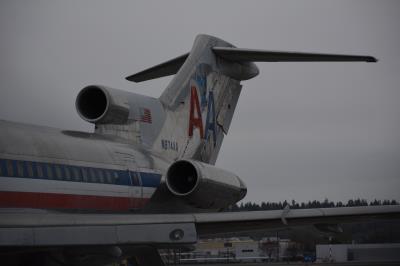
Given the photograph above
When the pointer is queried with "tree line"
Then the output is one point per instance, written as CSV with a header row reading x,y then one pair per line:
x,y
265,206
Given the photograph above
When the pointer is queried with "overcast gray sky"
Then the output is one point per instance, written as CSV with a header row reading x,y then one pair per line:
x,y
302,131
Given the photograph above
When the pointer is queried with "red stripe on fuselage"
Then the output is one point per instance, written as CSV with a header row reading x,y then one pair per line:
x,y
10,199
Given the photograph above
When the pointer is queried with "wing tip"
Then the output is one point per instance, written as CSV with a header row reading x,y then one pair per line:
x,y
371,59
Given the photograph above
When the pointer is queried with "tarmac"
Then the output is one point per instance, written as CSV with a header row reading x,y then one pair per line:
x,y
302,264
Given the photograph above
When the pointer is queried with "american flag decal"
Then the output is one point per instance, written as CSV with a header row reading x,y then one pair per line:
x,y
145,115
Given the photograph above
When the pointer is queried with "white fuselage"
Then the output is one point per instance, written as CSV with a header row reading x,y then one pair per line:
x,y
50,169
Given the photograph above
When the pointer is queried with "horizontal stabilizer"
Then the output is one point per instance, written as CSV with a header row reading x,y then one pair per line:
x,y
162,70
172,66
253,55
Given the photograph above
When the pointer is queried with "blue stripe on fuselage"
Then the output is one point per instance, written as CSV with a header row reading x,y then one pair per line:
x,y
74,173
150,179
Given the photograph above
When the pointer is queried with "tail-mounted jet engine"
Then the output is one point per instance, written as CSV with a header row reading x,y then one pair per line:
x,y
204,185
102,105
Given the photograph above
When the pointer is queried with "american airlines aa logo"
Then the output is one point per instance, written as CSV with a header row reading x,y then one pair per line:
x,y
197,106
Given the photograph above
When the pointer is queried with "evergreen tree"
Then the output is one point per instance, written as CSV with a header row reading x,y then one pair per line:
x,y
268,206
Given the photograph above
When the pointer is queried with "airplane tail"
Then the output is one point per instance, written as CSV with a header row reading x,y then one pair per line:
x,y
201,98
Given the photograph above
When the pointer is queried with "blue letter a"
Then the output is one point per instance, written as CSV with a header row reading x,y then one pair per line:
x,y
210,121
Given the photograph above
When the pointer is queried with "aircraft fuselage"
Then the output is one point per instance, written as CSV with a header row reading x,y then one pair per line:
x,y
52,169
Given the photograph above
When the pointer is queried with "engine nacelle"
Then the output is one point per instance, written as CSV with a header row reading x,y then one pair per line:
x,y
204,185
102,105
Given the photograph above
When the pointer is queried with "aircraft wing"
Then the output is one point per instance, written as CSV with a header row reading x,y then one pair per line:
x,y
43,228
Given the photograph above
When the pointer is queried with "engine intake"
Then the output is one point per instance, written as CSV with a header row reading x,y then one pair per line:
x,y
102,105
204,185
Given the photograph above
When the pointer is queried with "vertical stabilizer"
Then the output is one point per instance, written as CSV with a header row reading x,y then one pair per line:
x,y
200,101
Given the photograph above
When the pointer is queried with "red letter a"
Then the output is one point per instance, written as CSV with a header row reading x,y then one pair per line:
x,y
195,122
